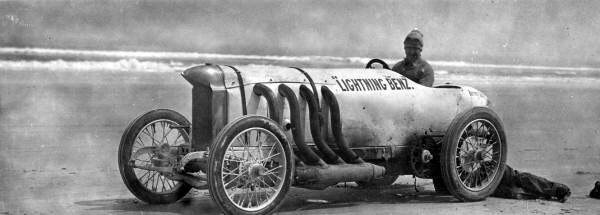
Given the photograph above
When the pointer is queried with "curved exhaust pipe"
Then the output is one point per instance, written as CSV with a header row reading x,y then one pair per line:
x,y
315,127
298,133
272,101
336,126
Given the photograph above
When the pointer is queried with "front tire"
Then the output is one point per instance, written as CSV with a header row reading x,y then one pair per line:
x,y
152,129
473,154
251,166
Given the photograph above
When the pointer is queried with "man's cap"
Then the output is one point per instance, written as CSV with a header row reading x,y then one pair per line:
x,y
414,39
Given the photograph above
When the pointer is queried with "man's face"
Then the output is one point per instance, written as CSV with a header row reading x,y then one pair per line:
x,y
412,53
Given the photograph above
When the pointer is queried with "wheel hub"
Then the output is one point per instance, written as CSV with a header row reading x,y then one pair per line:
x,y
256,170
472,158
479,155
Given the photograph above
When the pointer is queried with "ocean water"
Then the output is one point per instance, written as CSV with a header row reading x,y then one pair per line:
x,y
57,60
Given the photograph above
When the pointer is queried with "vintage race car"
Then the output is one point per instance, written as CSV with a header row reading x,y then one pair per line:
x,y
258,130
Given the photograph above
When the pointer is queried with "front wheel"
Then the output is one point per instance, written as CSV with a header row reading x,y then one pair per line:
x,y
473,154
250,168
141,156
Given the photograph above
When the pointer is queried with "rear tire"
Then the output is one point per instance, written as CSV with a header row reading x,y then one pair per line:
x,y
438,184
473,154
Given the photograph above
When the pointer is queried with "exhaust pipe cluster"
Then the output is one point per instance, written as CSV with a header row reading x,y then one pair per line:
x,y
327,167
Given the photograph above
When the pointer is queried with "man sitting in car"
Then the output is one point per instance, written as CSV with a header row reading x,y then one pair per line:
x,y
413,66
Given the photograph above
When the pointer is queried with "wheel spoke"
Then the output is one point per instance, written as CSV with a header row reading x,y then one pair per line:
x,y
492,143
233,174
268,188
270,156
247,190
232,180
153,126
163,132
177,139
270,152
165,135
140,142
148,178
480,130
143,175
271,170
468,176
496,162
245,144
157,182
162,181
231,171
147,133
259,145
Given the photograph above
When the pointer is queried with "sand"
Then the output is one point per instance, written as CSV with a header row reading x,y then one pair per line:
x,y
60,133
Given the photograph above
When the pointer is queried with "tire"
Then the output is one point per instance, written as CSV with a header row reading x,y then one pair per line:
x,y
145,184
436,176
473,154
438,184
250,157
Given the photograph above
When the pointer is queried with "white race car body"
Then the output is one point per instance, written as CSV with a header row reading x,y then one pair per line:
x,y
378,107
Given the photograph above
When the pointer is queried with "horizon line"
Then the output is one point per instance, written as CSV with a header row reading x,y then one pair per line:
x,y
303,58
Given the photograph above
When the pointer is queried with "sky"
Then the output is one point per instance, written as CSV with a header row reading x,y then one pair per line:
x,y
552,33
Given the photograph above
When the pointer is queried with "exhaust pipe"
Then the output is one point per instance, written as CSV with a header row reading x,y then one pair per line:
x,y
298,133
315,127
336,126
312,177
272,101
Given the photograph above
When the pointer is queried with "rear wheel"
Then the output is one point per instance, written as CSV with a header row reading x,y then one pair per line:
x,y
473,154
142,140
250,169
438,183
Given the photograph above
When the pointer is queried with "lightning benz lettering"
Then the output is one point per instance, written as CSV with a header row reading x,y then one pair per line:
x,y
372,84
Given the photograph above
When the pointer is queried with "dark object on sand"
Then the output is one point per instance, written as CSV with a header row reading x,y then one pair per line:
x,y
595,193
523,185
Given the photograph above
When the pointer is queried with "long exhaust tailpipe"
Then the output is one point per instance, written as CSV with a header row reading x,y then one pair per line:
x,y
312,177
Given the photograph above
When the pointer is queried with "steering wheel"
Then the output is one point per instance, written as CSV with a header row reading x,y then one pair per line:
x,y
375,60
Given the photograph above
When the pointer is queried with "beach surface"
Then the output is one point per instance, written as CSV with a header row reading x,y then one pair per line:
x,y
61,129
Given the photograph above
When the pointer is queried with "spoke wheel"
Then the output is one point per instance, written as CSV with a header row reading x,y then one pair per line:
x,y
473,155
250,166
153,134
478,155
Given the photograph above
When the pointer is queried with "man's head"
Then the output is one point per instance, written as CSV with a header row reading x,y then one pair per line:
x,y
413,45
